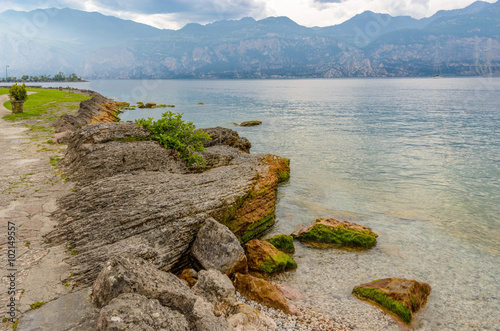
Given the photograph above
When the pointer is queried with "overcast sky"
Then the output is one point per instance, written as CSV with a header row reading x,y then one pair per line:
x,y
174,14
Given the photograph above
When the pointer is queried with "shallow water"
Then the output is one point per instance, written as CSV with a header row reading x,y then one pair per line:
x,y
418,160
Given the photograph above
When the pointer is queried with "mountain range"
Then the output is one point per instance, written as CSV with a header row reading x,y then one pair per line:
x,y
459,42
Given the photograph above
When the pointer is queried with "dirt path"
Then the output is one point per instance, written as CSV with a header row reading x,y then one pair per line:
x,y
29,187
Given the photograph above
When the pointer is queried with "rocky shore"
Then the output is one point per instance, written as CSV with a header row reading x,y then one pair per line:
x,y
149,243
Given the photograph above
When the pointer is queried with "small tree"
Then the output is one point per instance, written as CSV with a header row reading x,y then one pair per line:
x,y
18,92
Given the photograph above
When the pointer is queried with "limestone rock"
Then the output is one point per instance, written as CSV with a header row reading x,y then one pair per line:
x,y
217,288
62,137
223,136
190,276
216,247
400,297
289,292
264,258
259,290
282,242
204,319
243,317
132,311
250,123
343,234
128,274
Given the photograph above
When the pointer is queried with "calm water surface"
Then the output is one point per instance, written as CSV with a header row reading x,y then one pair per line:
x,y
418,160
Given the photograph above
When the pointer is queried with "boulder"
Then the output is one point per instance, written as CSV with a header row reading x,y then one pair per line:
x,y
203,318
264,258
289,292
128,274
62,137
215,287
216,247
400,297
190,276
250,123
228,137
259,290
282,242
150,105
243,317
337,233
132,311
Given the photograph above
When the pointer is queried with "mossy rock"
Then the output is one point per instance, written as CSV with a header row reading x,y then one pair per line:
x,y
400,297
341,234
282,242
250,123
265,259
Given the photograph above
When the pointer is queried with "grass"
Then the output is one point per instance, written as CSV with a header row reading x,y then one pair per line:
x,y
37,304
39,103
379,297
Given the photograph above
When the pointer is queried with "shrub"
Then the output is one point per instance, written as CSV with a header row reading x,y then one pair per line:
x,y
18,92
172,132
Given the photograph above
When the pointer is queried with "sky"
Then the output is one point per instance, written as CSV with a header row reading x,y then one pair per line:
x,y
174,14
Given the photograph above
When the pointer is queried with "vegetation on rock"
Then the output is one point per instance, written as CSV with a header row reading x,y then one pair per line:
x,y
385,302
171,131
264,258
250,123
282,242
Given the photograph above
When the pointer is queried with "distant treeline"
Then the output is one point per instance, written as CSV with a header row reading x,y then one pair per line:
x,y
60,77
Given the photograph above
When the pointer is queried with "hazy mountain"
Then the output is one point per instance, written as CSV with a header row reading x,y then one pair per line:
x,y
458,42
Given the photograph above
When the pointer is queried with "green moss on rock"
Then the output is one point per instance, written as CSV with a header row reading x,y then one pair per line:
x,y
264,258
379,297
283,242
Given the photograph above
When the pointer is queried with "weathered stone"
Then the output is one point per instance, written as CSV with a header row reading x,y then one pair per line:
x,y
264,258
256,213
282,242
216,247
216,288
128,274
204,319
259,290
223,136
400,297
62,137
150,105
132,311
243,317
190,276
343,234
250,123
289,292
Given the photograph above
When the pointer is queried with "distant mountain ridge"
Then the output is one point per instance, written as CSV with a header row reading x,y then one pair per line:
x,y
458,42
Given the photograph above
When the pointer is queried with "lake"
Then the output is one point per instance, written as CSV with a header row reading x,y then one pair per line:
x,y
417,160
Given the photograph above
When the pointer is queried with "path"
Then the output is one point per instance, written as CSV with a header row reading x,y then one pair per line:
x,y
29,187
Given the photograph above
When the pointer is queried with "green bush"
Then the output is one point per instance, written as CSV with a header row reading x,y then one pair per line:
x,y
172,132
18,92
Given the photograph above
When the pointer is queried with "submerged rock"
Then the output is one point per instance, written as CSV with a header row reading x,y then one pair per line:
x,y
400,297
282,242
264,258
250,123
343,234
259,290
216,247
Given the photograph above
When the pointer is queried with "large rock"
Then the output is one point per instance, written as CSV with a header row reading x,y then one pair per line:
x,y
133,311
223,136
400,297
216,247
333,232
282,242
243,317
215,287
259,290
264,258
128,274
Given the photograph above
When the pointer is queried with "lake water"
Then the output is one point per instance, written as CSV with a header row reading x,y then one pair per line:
x,y
417,160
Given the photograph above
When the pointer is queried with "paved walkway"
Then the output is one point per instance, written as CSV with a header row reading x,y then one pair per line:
x,y
29,187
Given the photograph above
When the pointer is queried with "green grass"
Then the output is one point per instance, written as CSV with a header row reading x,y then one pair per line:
x,y
38,104
379,297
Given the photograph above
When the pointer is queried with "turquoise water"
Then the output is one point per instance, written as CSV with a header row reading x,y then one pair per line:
x,y
418,160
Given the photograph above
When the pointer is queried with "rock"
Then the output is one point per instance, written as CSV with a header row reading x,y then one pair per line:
x,y
132,311
289,292
62,137
343,234
190,276
150,105
259,290
400,297
73,311
217,288
243,317
256,213
216,247
282,242
205,320
128,274
223,136
250,123
264,258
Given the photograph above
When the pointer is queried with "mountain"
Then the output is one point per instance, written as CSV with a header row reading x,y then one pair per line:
x,y
460,42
